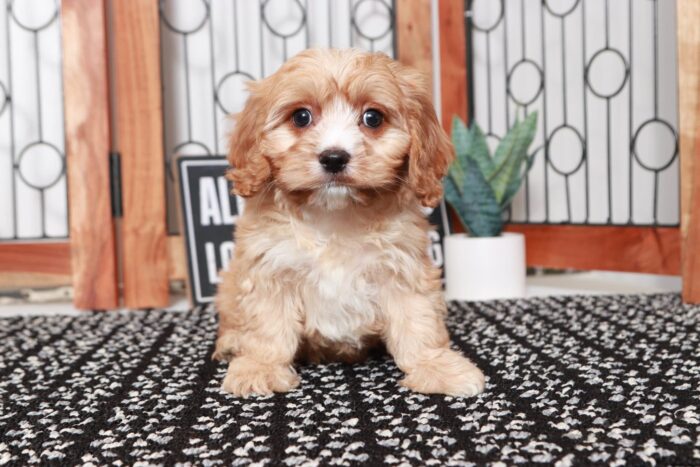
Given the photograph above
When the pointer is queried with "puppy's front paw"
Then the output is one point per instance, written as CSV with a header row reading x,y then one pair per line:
x,y
246,376
448,373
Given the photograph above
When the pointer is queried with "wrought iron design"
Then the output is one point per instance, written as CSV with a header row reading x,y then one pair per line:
x,y
212,47
608,144
33,178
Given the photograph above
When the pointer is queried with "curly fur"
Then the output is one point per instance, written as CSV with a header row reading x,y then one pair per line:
x,y
328,266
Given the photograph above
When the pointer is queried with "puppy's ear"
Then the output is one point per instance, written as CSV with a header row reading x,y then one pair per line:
x,y
249,171
430,152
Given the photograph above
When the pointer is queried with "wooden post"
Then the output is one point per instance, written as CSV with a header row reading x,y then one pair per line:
x,y
689,110
140,142
453,61
414,35
86,92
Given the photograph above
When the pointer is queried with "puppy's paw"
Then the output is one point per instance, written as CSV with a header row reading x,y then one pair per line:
x,y
448,373
226,348
246,377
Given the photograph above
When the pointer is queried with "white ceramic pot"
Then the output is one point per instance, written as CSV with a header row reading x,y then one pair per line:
x,y
484,268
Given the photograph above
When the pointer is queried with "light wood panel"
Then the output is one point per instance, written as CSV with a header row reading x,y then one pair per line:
x,y
689,111
453,61
651,250
414,35
87,146
140,143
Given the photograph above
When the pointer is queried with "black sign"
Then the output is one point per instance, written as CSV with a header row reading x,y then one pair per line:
x,y
209,215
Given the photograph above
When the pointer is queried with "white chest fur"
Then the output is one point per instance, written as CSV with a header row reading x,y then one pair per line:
x,y
339,295
336,275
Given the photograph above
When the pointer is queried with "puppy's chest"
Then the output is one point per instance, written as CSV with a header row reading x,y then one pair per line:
x,y
341,290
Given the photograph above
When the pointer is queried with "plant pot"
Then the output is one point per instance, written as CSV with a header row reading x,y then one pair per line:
x,y
484,268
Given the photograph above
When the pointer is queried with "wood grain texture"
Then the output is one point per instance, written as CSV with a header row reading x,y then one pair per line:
x,y
635,249
689,111
414,36
87,145
453,61
36,258
140,141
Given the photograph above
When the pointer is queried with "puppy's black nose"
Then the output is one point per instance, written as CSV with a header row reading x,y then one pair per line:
x,y
334,160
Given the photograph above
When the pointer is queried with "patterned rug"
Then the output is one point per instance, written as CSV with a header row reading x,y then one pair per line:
x,y
571,381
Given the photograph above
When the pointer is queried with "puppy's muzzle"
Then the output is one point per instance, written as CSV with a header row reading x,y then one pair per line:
x,y
334,160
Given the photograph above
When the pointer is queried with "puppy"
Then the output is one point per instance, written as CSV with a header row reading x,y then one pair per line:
x,y
335,153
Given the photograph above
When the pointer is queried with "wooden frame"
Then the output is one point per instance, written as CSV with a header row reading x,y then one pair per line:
x,y
453,62
688,12
633,249
87,258
642,249
140,141
414,35
41,264
87,122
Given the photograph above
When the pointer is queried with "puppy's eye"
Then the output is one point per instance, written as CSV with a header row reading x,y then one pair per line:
x,y
302,118
372,118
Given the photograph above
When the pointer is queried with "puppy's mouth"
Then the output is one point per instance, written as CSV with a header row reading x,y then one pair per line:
x,y
337,179
332,195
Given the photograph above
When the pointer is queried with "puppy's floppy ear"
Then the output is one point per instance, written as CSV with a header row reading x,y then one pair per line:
x,y
250,170
430,152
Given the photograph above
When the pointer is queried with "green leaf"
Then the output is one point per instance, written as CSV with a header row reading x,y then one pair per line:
x,y
452,193
460,137
478,207
515,182
479,151
457,175
511,153
469,143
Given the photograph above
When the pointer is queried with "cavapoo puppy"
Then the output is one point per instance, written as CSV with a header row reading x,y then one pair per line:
x,y
335,153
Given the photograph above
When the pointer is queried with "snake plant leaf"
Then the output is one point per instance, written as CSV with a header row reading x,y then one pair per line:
x,y
460,141
457,176
515,182
480,151
451,191
478,209
510,154
469,142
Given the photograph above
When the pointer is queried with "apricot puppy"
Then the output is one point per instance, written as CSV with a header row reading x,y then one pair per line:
x,y
335,153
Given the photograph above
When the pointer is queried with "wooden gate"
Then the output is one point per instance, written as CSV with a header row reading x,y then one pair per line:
x,y
652,249
87,258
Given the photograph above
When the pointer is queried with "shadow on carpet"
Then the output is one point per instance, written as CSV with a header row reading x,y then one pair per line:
x,y
572,381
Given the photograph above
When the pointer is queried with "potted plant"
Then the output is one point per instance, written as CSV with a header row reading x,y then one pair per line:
x,y
486,263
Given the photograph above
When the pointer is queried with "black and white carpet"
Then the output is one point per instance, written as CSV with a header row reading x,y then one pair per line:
x,y
571,381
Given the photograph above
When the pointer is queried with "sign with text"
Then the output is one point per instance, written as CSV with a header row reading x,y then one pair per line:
x,y
209,214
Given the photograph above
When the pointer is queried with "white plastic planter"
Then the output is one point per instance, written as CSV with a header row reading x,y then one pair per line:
x,y
484,268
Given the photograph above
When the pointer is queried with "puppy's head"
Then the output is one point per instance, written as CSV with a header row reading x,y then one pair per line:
x,y
340,125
